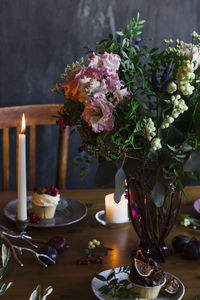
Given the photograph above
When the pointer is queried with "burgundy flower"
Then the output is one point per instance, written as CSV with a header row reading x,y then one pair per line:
x,y
81,148
63,121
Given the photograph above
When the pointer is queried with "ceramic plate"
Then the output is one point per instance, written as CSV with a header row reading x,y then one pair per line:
x,y
96,284
197,205
100,217
74,212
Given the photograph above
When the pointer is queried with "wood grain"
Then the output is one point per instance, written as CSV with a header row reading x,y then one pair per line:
x,y
71,281
5,159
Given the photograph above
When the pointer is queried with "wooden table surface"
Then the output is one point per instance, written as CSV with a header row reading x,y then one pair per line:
x,y
71,281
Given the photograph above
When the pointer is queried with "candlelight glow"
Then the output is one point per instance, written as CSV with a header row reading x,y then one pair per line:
x,y
23,127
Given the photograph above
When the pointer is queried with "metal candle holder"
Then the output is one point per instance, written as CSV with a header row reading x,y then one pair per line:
x,y
21,225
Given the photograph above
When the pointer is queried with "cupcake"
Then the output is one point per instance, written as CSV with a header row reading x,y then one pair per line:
x,y
146,280
44,202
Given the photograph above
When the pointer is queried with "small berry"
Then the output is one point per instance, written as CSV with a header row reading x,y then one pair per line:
x,y
78,262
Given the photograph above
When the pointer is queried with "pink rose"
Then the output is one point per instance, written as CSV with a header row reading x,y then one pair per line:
x,y
121,94
193,53
107,63
98,114
73,82
114,86
113,82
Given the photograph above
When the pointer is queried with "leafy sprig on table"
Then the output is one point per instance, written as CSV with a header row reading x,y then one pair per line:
x,y
115,287
38,295
192,224
5,256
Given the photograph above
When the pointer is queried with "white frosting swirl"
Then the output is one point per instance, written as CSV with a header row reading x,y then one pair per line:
x,y
45,199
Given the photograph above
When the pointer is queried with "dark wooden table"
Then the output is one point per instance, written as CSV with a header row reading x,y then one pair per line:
x,y
71,281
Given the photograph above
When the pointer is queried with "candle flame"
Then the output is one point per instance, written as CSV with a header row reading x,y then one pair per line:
x,y
23,128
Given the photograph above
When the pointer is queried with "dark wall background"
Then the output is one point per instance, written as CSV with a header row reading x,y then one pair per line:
x,y
39,37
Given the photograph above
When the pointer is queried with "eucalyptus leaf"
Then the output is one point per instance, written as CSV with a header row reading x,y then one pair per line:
x,y
185,147
62,204
4,288
35,295
105,173
158,194
47,292
4,255
120,178
193,162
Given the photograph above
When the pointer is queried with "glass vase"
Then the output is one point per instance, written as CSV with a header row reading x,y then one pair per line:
x,y
151,223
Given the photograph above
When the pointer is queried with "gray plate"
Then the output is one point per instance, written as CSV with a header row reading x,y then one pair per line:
x,y
96,284
74,212
100,217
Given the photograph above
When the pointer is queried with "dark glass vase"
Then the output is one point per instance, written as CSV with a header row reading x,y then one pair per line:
x,y
151,223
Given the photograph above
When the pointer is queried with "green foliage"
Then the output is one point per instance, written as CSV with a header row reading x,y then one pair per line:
x,y
37,294
114,287
5,256
146,72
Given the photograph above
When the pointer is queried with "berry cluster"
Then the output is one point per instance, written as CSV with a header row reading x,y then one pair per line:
x,y
92,252
87,261
52,190
33,218
92,244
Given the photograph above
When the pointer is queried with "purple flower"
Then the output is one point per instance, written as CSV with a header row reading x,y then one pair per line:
x,y
98,114
164,86
140,41
154,81
165,74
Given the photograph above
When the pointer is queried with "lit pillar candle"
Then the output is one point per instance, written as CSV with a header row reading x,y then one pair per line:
x,y
21,183
116,212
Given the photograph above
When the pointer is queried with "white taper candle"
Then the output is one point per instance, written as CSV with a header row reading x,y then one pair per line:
x,y
21,184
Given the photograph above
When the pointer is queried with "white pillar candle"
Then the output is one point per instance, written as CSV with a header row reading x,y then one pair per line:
x,y
116,212
21,183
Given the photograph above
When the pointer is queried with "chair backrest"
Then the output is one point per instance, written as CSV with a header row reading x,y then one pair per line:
x,y
35,115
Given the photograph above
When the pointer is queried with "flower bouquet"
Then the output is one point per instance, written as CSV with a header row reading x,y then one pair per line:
x,y
137,110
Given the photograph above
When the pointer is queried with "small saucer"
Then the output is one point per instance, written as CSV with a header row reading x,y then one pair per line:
x,y
196,205
100,217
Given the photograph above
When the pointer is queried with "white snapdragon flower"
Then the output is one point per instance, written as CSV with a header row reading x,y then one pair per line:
x,y
172,87
175,99
179,107
156,144
186,88
175,113
184,76
170,119
150,129
195,34
166,122
188,66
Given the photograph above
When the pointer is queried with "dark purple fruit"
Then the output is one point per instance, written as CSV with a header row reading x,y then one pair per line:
x,y
179,242
58,242
192,249
49,251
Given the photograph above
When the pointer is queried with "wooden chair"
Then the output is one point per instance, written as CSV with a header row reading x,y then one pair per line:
x,y
35,115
